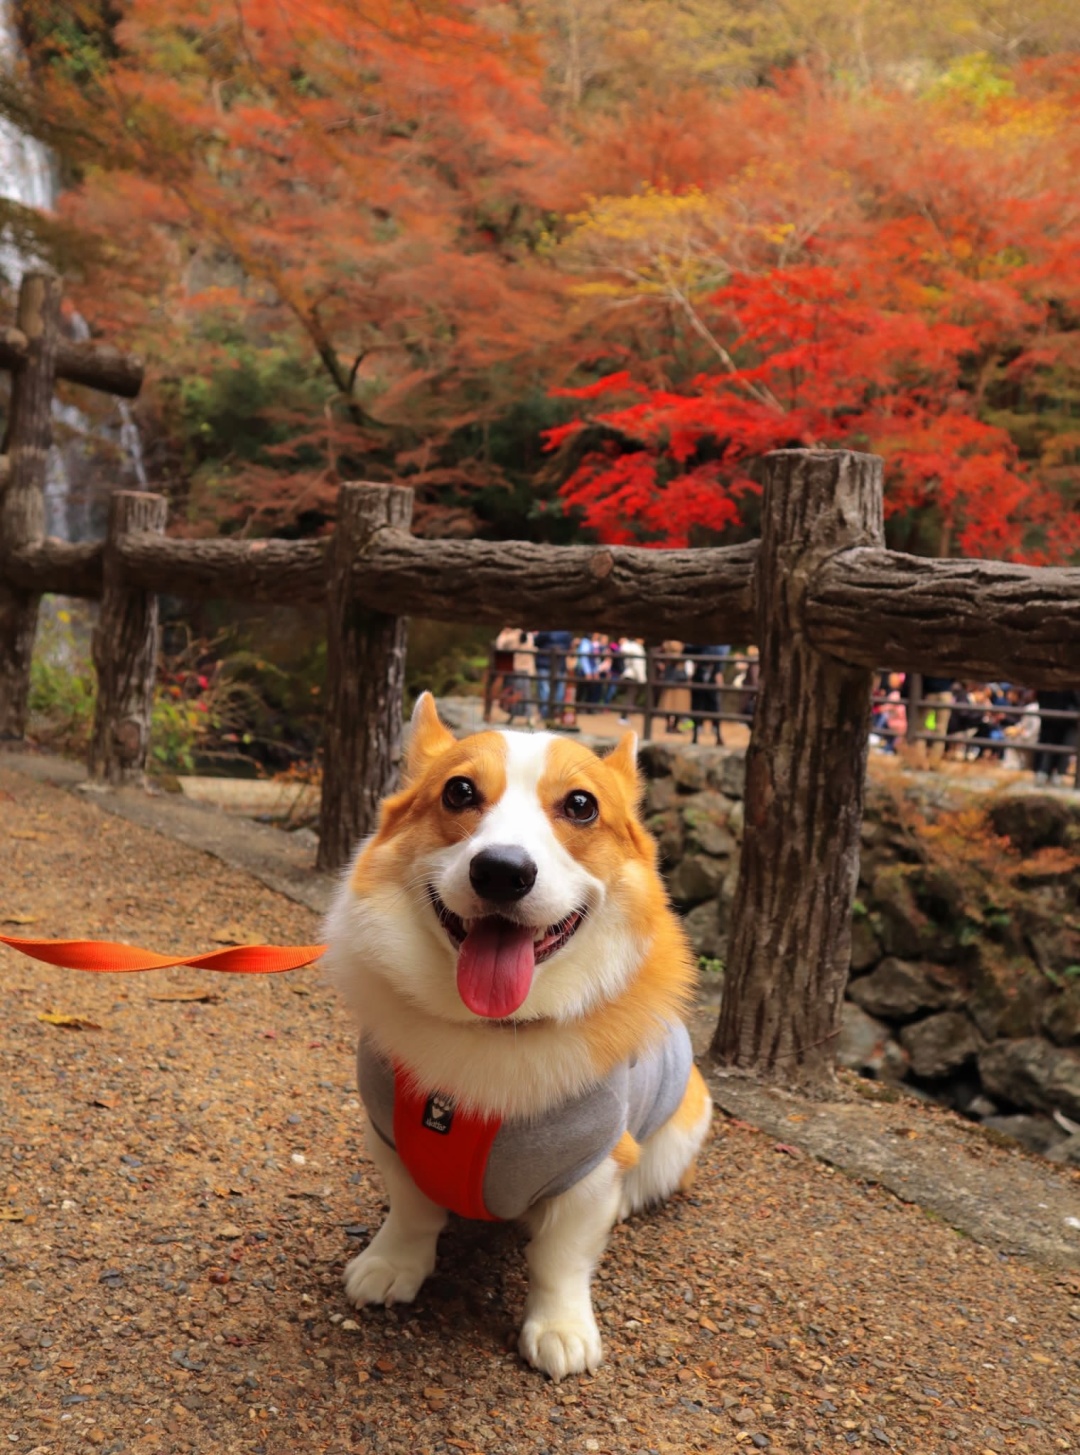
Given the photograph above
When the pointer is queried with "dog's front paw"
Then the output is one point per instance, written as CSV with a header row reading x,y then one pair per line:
x,y
372,1278
562,1345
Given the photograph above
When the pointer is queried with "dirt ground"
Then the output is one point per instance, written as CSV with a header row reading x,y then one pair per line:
x,y
182,1180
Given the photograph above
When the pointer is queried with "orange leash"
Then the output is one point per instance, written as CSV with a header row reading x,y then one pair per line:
x,y
104,956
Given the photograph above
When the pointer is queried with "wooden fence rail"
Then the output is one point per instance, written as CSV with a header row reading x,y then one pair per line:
x,y
820,595
865,606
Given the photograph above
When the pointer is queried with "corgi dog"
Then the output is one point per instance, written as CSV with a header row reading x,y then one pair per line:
x,y
520,981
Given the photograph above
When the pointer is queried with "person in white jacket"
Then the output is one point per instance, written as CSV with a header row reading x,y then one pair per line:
x,y
631,650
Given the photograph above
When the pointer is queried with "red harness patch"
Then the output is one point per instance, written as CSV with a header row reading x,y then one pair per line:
x,y
445,1149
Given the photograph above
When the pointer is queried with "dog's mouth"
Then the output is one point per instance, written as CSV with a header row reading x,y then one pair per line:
x,y
497,957
545,942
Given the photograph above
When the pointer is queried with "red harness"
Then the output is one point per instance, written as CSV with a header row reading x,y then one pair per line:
x,y
445,1149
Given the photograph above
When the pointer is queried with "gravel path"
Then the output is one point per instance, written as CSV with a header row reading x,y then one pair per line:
x,y
182,1181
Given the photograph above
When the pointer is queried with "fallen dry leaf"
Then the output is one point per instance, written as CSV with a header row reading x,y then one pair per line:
x,y
19,919
786,1147
69,1022
26,834
229,935
11,1215
197,997
110,1103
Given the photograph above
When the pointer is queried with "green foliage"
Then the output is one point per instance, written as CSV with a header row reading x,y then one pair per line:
x,y
213,708
62,686
244,402
977,79
710,967
445,658
176,729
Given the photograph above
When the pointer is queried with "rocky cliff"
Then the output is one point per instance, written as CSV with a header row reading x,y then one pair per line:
x,y
965,972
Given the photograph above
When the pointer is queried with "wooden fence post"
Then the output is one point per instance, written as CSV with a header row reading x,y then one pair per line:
x,y
365,677
22,487
790,949
124,648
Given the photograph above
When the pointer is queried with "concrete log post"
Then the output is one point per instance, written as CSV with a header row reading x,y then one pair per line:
x,y
124,649
365,670
790,948
22,488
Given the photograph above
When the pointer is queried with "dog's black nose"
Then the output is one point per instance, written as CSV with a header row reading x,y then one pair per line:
x,y
502,873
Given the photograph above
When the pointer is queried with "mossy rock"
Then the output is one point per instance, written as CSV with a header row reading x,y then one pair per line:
x,y
1037,821
1061,1016
901,989
660,794
865,945
727,772
702,925
1032,1074
696,877
667,829
1008,993
705,819
656,760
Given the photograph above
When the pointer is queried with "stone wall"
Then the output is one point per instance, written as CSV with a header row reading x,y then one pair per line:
x,y
963,990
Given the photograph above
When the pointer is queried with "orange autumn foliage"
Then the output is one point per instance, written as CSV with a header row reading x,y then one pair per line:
x,y
352,184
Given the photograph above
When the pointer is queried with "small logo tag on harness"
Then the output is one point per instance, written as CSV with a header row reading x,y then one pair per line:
x,y
449,1166
439,1114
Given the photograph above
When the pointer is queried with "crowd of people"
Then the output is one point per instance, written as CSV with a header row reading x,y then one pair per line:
x,y
551,677
967,721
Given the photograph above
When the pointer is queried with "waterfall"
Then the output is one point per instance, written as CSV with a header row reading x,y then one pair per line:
x,y
26,173
87,460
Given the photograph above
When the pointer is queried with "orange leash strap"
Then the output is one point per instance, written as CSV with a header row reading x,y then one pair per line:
x,y
106,957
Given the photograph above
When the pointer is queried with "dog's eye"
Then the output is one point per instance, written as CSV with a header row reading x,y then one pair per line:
x,y
580,807
461,793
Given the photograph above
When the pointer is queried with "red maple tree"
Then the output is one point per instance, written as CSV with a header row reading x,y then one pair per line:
x,y
896,273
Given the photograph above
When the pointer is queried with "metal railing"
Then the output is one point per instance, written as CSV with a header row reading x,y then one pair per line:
x,y
692,689
689,688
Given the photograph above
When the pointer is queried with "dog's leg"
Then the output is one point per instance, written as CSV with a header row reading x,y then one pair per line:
x,y
667,1159
402,1253
569,1233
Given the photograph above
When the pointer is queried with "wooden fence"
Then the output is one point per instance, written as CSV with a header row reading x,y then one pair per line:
x,y
823,599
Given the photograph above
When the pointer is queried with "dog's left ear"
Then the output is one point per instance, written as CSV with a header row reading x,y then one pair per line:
x,y
623,760
428,736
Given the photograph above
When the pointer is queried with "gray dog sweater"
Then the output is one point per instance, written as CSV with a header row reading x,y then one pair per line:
x,y
494,1168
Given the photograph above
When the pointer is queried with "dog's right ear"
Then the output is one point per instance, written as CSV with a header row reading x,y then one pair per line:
x,y
428,737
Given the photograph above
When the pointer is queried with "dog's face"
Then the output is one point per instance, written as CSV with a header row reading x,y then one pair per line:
x,y
509,879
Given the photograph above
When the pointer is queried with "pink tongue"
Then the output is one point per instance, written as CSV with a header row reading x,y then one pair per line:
x,y
495,967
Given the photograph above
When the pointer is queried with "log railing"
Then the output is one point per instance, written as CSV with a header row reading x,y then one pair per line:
x,y
871,607
820,595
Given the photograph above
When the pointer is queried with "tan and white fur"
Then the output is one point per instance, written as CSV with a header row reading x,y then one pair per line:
x,y
599,1000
